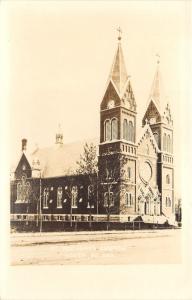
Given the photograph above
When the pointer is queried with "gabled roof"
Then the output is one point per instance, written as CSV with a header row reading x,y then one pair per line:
x,y
152,111
166,114
128,96
15,163
147,129
118,74
60,159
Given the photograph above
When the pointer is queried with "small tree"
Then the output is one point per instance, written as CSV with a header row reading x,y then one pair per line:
x,y
111,174
88,160
88,165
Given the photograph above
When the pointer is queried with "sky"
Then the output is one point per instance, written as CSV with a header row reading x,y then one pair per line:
x,y
59,55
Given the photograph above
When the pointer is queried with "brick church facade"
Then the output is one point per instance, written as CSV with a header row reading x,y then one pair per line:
x,y
135,179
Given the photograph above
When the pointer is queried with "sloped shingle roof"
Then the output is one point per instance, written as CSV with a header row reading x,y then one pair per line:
x,y
60,159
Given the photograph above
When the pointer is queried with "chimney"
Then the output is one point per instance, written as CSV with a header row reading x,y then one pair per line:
x,y
24,144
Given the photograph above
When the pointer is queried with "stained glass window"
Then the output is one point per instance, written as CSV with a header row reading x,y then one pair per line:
x,y
23,190
114,129
131,132
168,179
45,198
108,199
74,194
168,143
128,199
129,173
125,129
156,136
59,197
107,130
165,142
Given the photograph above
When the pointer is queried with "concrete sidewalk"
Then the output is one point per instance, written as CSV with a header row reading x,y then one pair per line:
x,y
25,239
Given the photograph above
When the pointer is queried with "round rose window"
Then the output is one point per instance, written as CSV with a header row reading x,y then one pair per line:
x,y
145,171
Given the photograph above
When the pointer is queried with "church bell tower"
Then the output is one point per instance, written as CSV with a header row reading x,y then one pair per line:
x,y
158,114
117,148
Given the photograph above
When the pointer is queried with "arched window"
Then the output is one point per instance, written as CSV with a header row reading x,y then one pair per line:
x,y
131,132
168,202
129,173
114,129
156,136
167,179
45,198
171,145
19,192
107,131
23,190
111,199
125,129
128,199
59,197
165,142
108,199
168,143
74,193
90,191
158,208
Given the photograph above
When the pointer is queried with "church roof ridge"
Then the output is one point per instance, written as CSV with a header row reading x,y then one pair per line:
x,y
57,159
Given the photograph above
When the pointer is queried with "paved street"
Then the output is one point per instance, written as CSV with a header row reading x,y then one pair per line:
x,y
93,248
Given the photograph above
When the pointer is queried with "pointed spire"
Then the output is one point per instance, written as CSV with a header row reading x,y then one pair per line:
x,y
156,89
118,72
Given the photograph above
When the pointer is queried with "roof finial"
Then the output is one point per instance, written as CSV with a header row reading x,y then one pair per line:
x,y
59,135
120,33
158,58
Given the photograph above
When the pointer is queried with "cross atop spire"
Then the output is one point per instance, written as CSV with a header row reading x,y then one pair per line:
x,y
158,58
120,33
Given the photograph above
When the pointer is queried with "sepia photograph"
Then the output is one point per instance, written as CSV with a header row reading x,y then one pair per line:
x,y
94,96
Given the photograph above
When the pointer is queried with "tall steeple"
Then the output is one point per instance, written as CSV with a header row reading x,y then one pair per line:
x,y
117,148
156,88
118,72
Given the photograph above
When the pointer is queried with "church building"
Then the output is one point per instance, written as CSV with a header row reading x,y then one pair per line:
x,y
135,178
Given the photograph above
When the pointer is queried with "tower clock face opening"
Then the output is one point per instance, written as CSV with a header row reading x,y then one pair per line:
x,y
111,104
145,172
